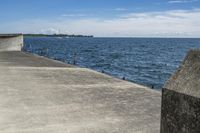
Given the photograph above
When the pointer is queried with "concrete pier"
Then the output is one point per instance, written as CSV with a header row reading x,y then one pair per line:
x,y
39,95
11,42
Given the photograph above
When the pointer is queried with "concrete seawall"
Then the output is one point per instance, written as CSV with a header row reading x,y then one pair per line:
x,y
11,42
39,95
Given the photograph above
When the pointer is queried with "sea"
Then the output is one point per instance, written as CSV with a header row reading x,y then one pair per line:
x,y
145,61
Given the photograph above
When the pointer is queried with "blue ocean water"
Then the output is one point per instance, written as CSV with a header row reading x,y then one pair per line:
x,y
146,61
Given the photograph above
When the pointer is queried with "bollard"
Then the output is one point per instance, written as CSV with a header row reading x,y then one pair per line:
x,y
74,58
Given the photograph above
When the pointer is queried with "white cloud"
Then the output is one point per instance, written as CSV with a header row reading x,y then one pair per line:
x,y
50,31
173,23
181,1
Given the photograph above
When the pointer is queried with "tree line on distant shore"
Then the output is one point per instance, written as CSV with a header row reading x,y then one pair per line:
x,y
55,35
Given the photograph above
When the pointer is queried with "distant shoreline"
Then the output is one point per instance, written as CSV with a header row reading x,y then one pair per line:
x,y
91,36
57,35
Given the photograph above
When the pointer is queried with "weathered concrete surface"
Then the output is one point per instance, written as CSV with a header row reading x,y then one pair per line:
x,y
35,98
11,42
20,59
180,113
181,98
187,79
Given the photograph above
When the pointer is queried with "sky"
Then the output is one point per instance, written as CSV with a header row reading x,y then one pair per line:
x,y
102,18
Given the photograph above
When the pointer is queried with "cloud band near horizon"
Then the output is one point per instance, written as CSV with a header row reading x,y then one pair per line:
x,y
171,23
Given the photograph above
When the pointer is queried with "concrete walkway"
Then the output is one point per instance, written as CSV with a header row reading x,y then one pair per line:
x,y
39,95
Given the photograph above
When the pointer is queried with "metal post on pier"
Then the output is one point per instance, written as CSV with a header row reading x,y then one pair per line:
x,y
74,58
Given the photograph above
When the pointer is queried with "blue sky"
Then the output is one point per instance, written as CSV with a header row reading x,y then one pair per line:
x,y
126,18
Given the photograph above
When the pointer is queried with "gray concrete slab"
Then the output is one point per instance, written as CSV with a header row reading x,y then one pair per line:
x,y
20,59
186,80
38,95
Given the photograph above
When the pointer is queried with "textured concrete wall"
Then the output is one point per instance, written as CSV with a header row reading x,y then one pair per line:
x,y
11,42
180,113
181,98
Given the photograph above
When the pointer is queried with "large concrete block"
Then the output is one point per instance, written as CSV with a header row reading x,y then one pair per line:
x,y
11,42
181,98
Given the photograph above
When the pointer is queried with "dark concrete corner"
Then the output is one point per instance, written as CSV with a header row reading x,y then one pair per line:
x,y
181,98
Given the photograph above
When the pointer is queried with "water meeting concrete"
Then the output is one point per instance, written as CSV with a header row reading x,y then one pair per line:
x,y
39,95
